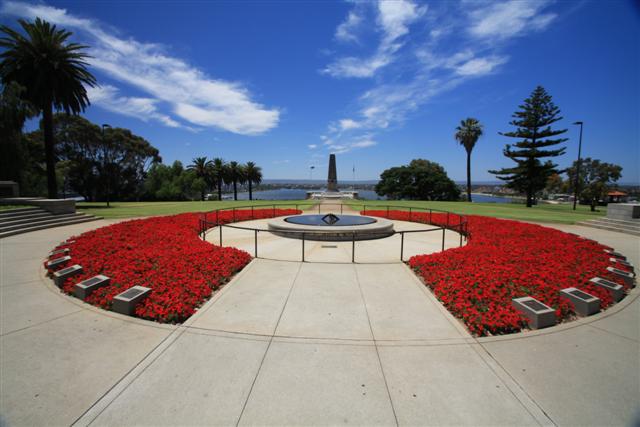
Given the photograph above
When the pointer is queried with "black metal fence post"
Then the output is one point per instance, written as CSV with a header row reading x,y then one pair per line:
x,y
220,227
430,215
234,214
252,215
274,211
340,208
319,208
255,243
402,246
410,214
302,247
443,231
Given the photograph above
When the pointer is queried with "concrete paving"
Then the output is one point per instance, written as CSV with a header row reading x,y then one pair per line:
x,y
290,343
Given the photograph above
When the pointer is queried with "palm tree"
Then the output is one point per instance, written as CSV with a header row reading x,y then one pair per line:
x,y
203,169
467,135
53,73
253,175
219,173
236,175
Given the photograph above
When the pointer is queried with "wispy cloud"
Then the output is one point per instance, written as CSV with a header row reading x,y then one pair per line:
x,y
312,146
346,31
182,91
444,54
509,19
393,20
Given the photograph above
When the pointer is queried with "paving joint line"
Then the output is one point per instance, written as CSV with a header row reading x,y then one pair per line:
x,y
375,344
613,333
266,351
516,383
41,323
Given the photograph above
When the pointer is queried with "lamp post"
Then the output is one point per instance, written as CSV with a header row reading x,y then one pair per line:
x,y
577,180
107,160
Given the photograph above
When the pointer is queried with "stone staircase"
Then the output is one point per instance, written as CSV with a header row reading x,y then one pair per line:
x,y
626,226
24,220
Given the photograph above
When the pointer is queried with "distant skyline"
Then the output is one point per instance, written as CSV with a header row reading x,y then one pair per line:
x,y
285,84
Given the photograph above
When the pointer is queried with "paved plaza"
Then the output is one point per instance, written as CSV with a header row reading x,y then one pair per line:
x,y
315,343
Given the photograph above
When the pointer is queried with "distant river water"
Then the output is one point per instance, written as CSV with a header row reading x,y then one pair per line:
x,y
300,194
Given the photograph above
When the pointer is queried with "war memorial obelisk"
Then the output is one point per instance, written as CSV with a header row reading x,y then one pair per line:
x,y
332,191
332,179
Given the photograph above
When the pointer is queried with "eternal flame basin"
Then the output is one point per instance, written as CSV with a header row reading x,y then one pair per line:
x,y
332,227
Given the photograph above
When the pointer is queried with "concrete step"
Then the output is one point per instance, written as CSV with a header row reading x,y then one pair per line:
x,y
626,222
77,220
627,225
611,227
19,211
26,217
39,221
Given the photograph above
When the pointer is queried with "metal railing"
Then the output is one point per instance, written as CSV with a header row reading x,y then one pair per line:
x,y
211,219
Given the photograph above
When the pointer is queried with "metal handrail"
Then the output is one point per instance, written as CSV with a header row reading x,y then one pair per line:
x,y
461,228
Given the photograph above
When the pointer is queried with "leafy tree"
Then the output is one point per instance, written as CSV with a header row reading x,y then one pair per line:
x,y
596,179
555,184
220,172
53,73
253,175
236,175
14,111
533,123
467,135
420,180
202,168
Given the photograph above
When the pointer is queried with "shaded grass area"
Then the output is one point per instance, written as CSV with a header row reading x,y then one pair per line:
x,y
10,207
141,209
561,213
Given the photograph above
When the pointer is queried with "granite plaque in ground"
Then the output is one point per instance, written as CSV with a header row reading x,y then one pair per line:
x,y
126,302
83,289
539,315
60,275
584,303
615,290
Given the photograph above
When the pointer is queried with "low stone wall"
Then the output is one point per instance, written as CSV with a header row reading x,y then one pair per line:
x,y
55,206
623,210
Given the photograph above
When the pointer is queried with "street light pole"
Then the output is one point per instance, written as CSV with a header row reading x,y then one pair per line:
x,y
106,161
577,179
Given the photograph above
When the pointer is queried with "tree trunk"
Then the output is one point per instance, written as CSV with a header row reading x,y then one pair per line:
x,y
49,151
219,188
202,195
593,205
250,192
235,189
468,176
529,198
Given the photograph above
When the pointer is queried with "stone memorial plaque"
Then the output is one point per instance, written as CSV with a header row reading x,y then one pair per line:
x,y
615,290
582,295
60,275
126,302
535,305
56,262
538,314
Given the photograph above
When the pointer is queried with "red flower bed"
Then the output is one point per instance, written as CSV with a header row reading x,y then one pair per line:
x,y
161,253
506,259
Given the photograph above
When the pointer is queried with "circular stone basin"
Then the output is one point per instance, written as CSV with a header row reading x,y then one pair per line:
x,y
326,220
331,227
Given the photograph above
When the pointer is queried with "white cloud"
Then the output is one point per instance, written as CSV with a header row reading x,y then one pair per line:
x,y
346,30
180,88
364,141
393,19
509,19
145,109
348,124
480,66
312,146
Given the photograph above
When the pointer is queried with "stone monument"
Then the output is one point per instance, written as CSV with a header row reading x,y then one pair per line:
x,y
332,185
332,179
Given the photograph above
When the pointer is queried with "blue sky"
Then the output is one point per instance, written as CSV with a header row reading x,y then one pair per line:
x,y
379,83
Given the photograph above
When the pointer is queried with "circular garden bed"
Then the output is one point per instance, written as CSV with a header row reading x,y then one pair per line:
x,y
502,260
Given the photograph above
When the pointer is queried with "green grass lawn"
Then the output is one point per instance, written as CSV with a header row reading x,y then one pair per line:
x,y
541,213
139,209
562,213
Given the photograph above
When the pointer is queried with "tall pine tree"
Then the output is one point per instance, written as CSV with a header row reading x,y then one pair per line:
x,y
533,122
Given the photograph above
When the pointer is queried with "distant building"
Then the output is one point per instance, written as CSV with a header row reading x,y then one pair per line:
x,y
616,196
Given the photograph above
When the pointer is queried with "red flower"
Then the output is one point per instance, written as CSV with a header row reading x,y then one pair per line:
x,y
504,260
